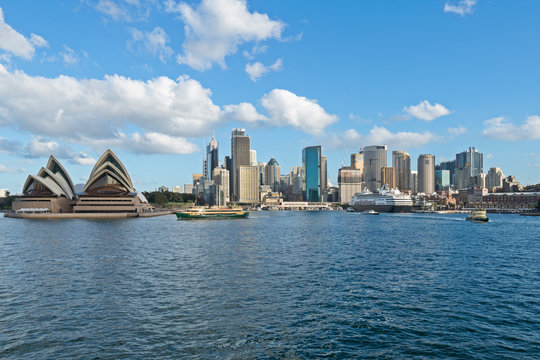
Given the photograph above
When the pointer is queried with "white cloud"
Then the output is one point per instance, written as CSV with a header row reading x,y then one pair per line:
x,y
216,28
125,10
162,113
426,111
83,159
38,41
70,108
17,44
110,8
256,70
147,143
69,56
287,108
245,112
154,42
257,49
501,129
457,131
461,7
40,147
88,110
380,135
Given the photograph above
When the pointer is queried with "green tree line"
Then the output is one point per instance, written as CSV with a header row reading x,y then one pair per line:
x,y
163,198
5,202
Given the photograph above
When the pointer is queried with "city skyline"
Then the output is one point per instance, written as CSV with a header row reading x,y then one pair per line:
x,y
76,79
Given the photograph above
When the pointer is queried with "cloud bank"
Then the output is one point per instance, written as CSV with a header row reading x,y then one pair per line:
x,y
380,135
216,28
153,116
501,129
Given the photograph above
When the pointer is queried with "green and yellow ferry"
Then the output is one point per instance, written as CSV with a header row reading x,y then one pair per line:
x,y
201,212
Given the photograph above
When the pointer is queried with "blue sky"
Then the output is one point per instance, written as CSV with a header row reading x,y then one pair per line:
x,y
153,79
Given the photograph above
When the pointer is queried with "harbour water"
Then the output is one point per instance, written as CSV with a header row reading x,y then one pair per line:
x,y
288,285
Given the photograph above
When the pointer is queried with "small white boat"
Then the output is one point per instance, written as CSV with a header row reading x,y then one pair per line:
x,y
350,209
369,212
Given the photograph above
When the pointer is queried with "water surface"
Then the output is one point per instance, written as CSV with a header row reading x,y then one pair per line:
x,y
289,285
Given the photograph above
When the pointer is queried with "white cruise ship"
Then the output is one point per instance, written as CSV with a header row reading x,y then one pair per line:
x,y
385,200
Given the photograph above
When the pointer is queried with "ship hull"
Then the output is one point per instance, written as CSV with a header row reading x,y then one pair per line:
x,y
383,208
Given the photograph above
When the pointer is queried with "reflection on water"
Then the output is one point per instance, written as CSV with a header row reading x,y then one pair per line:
x,y
276,285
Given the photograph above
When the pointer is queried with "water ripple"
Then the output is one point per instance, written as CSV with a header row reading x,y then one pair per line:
x,y
291,285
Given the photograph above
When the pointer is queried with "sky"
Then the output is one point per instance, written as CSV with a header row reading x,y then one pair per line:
x,y
153,80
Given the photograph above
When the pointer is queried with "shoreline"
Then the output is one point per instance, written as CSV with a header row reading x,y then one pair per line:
x,y
96,216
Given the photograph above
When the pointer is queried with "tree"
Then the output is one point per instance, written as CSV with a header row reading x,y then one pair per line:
x,y
5,202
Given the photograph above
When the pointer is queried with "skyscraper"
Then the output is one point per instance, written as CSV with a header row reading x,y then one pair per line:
x,y
469,163
253,157
426,173
324,174
494,178
248,184
212,157
375,158
388,177
414,182
357,161
311,173
349,183
401,162
442,179
272,174
220,177
240,153
451,167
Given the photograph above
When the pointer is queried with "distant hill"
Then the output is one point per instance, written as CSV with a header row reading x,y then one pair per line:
x,y
79,187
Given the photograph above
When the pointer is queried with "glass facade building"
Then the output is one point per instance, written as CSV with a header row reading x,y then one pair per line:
x,y
442,179
311,177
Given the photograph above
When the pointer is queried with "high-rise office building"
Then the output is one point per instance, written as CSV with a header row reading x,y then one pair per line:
x,y
311,173
248,184
349,183
197,178
324,174
240,153
375,158
272,174
414,182
253,157
401,162
442,179
220,177
494,178
469,163
212,157
451,167
357,161
262,171
388,177
426,174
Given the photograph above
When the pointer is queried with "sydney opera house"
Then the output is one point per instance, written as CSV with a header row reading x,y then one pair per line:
x,y
108,191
